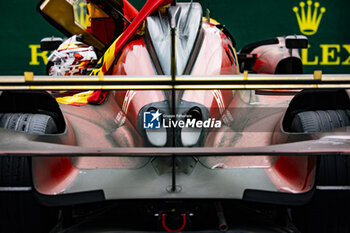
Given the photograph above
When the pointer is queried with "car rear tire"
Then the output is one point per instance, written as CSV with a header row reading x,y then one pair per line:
x,y
320,121
30,123
329,210
19,211
333,170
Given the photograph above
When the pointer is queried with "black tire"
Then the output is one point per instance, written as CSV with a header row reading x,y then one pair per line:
x,y
320,121
329,210
15,171
19,210
30,123
333,170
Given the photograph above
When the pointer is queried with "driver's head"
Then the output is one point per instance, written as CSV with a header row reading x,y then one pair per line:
x,y
72,57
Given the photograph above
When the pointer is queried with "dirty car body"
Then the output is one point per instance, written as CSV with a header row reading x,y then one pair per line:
x,y
175,40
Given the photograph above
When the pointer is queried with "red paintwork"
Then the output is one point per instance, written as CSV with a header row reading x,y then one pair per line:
x,y
260,67
140,99
268,56
289,174
150,7
214,58
103,29
53,175
129,10
293,174
134,60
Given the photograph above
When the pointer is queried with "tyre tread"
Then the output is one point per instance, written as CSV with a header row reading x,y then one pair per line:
x,y
333,170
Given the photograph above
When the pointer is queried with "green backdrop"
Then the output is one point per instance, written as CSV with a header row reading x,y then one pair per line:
x,y
248,21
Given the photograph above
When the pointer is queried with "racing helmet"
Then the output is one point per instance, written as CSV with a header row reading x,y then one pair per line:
x,y
72,57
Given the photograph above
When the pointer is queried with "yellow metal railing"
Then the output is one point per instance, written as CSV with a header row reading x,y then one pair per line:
x,y
242,81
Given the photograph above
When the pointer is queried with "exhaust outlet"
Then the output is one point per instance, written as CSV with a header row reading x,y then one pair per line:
x,y
190,136
221,217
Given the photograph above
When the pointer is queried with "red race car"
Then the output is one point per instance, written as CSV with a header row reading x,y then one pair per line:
x,y
167,131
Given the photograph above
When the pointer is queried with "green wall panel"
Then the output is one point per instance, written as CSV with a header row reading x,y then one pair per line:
x,y
21,27
248,21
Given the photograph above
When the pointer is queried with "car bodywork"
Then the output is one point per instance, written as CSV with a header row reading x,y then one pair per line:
x,y
248,118
201,49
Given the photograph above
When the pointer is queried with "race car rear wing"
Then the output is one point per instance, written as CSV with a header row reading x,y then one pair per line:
x,y
242,81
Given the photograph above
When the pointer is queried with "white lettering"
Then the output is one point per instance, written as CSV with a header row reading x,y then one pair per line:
x,y
190,123
217,124
199,124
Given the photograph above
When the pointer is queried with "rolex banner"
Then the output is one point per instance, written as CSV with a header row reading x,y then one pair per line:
x,y
325,23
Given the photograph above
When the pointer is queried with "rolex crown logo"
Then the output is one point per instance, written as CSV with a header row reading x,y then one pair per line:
x,y
308,21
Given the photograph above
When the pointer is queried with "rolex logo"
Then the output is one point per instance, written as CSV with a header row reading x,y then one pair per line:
x,y
309,20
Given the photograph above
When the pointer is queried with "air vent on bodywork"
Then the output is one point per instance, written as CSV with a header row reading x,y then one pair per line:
x,y
190,136
188,26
